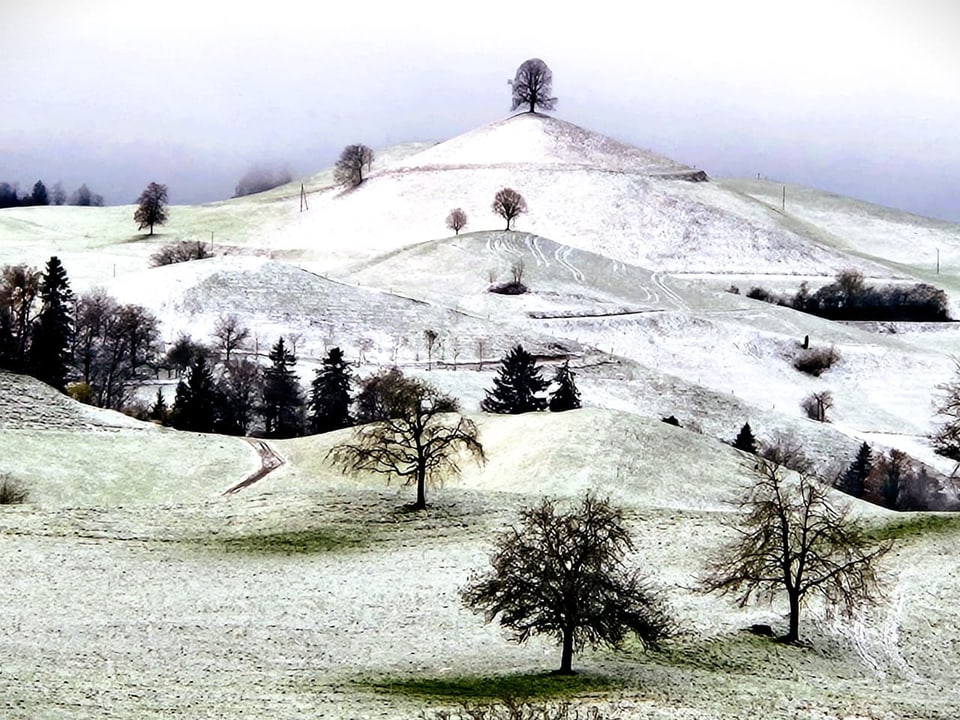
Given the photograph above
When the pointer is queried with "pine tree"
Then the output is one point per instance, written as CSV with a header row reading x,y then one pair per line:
x,y
854,480
195,406
282,399
517,385
745,440
330,394
159,411
566,396
53,329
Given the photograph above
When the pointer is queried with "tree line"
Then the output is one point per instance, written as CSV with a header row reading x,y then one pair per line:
x,y
10,196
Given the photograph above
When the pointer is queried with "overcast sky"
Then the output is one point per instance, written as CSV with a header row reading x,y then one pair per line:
x,y
860,97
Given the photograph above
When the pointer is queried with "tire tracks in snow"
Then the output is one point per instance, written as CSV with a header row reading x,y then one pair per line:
x,y
269,461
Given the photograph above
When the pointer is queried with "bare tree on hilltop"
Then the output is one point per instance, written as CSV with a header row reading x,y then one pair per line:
x,y
457,220
349,168
532,86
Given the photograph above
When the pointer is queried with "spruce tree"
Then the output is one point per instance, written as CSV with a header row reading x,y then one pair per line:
x,y
330,394
516,386
195,406
745,440
854,480
282,399
160,412
53,330
566,396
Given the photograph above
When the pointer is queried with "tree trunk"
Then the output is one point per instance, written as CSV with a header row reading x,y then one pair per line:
x,y
421,503
566,659
793,634
533,100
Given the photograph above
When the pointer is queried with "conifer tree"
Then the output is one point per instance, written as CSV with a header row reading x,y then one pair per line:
x,y
330,394
159,411
195,406
53,329
745,440
517,386
566,396
854,480
282,407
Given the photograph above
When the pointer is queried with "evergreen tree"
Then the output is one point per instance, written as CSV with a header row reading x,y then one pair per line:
x,y
854,480
282,407
40,196
195,406
330,394
517,385
160,412
566,396
745,440
53,330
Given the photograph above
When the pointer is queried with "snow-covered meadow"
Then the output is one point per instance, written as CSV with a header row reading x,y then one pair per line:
x,y
134,587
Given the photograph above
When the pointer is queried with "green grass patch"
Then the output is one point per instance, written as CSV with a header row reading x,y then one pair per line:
x,y
735,653
914,526
298,542
495,687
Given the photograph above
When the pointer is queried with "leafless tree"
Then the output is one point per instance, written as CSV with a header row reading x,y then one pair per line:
x,y
349,168
151,207
792,539
457,220
516,272
242,386
481,346
230,334
532,86
564,574
19,307
430,341
946,438
508,204
419,441
817,404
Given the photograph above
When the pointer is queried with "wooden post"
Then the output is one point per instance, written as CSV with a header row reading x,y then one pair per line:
x,y
783,203
303,199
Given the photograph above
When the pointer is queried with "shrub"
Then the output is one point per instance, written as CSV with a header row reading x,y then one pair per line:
x,y
81,392
11,492
817,404
759,293
816,360
179,252
514,709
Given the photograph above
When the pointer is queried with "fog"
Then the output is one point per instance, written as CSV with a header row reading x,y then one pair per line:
x,y
859,98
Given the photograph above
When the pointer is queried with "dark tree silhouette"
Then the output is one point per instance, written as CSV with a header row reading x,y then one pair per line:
x,y
565,396
53,329
349,167
282,407
508,204
517,386
19,290
241,385
159,410
793,540
195,406
419,441
84,197
854,479
563,574
260,178
39,195
8,195
457,220
532,86
817,404
745,440
152,207
370,400
329,404
230,335
946,438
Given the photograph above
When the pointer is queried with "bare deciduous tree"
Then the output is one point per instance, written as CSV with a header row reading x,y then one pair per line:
x,y
817,404
563,574
457,220
349,168
151,206
792,539
230,335
430,340
419,441
532,86
508,204
946,438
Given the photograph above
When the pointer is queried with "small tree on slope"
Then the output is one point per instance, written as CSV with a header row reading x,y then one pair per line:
x,y
517,386
745,440
349,167
793,540
151,207
419,440
532,86
53,330
565,396
563,574
508,204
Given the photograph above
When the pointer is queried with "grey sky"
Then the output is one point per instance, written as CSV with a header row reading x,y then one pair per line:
x,y
860,97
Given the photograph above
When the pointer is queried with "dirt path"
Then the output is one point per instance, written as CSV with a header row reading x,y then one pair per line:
x,y
269,461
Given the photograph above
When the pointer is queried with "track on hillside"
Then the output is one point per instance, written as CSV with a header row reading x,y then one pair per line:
x,y
269,461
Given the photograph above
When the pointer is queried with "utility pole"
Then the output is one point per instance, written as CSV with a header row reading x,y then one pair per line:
x,y
303,199
783,203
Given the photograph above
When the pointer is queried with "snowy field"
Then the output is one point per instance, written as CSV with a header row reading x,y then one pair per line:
x,y
135,587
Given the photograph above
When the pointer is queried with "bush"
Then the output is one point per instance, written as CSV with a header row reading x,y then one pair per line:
x,y
509,288
758,293
81,392
816,405
816,360
11,492
182,251
513,709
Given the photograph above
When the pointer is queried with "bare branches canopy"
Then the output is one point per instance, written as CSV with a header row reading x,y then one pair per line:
x,y
508,204
793,540
562,573
532,86
349,168
152,207
457,220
